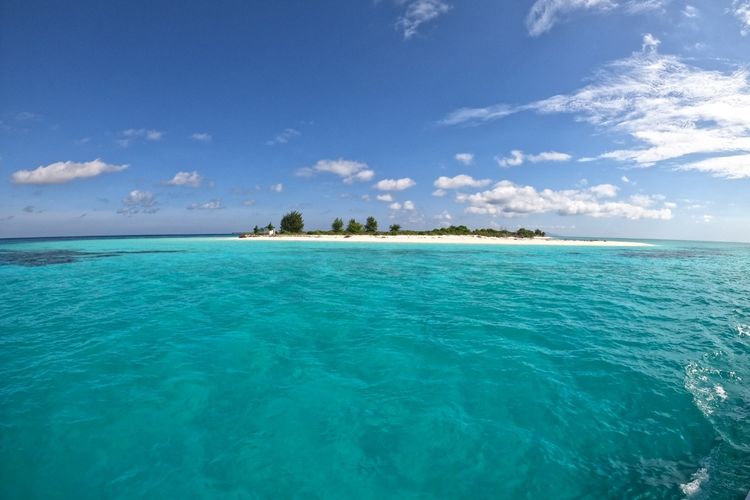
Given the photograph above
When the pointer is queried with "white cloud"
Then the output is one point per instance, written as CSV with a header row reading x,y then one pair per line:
x,y
464,158
460,181
190,179
638,6
418,12
350,171
741,10
604,190
517,157
209,205
282,138
690,11
444,218
508,199
729,167
64,171
129,135
248,203
439,193
544,14
408,205
475,116
385,197
394,184
650,43
139,202
667,108
276,188
708,218
201,137
625,179
642,200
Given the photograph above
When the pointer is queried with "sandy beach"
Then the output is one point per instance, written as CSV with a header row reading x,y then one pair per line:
x,y
447,239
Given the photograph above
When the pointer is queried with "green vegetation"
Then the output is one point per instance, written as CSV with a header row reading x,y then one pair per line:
x,y
371,226
353,227
292,222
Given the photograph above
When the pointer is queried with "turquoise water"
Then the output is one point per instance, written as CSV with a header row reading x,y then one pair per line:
x,y
216,368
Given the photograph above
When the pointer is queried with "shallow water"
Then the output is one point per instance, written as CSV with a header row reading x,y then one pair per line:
x,y
202,367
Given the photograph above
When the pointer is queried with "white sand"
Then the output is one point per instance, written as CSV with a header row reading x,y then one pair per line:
x,y
449,239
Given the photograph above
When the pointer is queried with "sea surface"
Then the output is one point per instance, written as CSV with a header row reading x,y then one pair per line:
x,y
217,368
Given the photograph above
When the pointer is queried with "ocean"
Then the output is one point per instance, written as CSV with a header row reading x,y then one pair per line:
x,y
207,367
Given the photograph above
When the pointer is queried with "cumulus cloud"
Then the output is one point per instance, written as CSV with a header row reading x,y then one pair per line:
x,y
464,158
459,182
139,202
201,137
407,205
444,218
385,197
64,171
350,171
189,179
544,14
668,108
395,184
132,134
418,12
439,193
517,157
509,200
625,179
604,190
741,10
283,137
209,205
276,188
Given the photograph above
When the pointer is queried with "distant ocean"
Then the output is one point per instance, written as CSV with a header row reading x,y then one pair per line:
x,y
206,368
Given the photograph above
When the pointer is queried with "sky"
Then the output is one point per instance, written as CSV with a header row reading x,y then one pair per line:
x,y
601,118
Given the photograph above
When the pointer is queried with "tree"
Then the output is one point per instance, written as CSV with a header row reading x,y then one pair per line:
x,y
371,226
353,227
270,226
256,229
395,228
292,222
337,225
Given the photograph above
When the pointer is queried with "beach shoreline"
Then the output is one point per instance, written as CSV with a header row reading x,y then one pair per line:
x,y
442,239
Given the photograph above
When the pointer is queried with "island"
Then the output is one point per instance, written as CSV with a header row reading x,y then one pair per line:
x,y
291,228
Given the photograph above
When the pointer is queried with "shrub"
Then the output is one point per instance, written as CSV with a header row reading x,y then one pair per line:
x,y
395,228
371,226
353,227
292,222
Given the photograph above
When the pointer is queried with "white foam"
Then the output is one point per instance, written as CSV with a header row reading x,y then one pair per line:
x,y
720,392
743,330
694,486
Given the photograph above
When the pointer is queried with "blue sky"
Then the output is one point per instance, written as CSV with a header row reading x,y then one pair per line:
x,y
606,118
